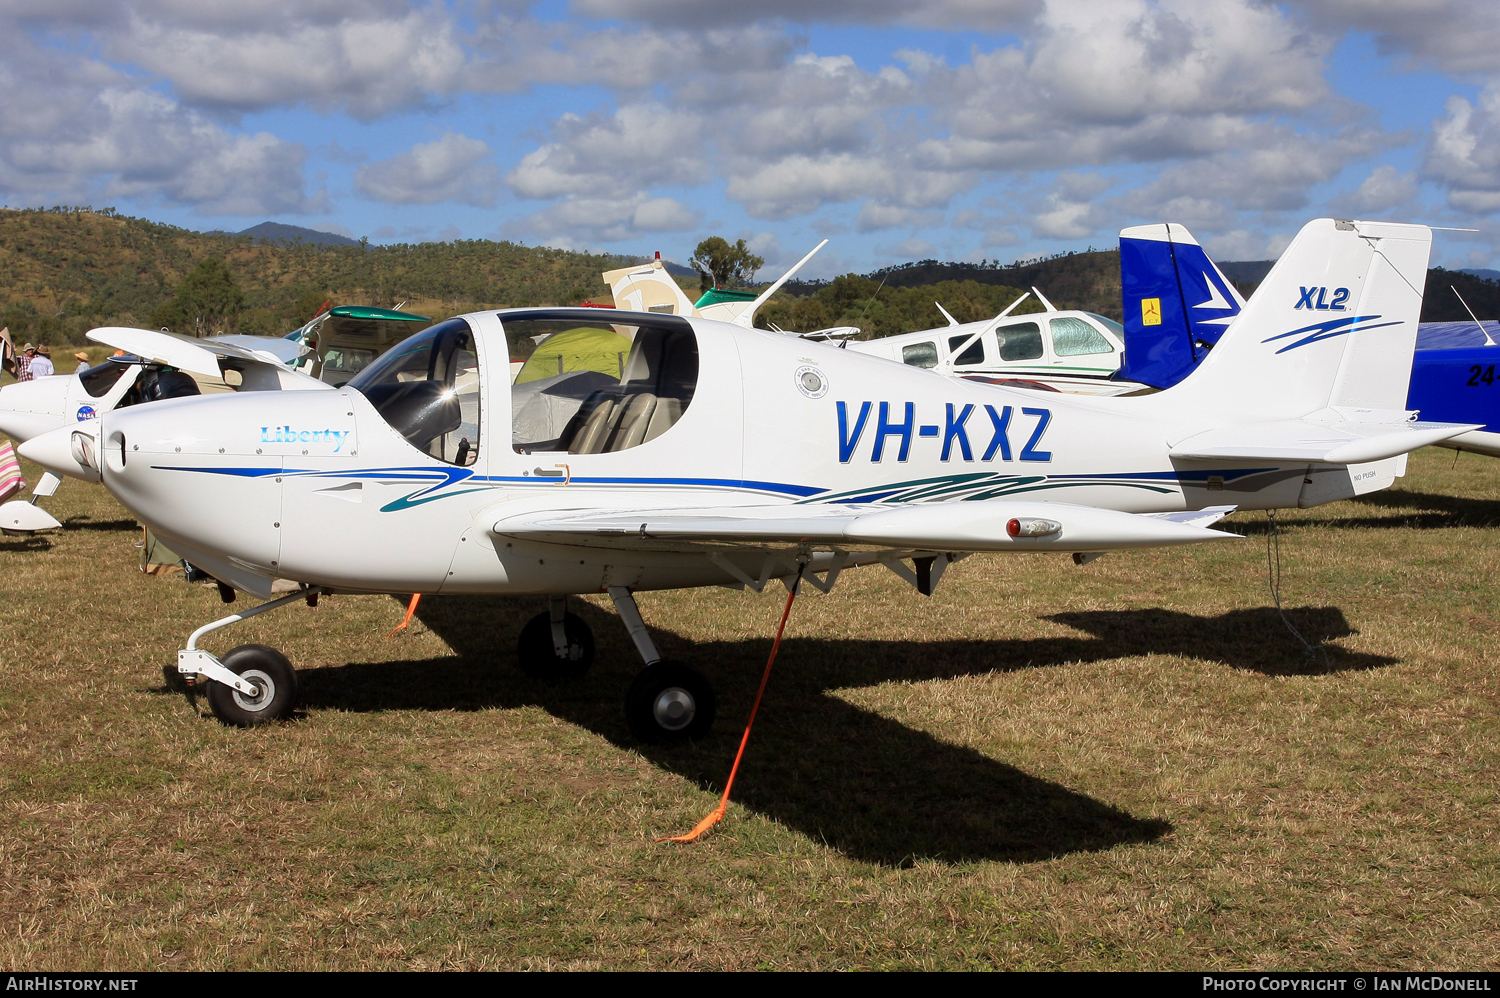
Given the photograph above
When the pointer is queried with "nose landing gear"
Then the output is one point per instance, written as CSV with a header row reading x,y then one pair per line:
x,y
252,684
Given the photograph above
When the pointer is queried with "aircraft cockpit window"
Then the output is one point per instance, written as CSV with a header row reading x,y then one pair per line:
x,y
100,378
1020,341
1073,337
973,353
590,385
427,388
922,355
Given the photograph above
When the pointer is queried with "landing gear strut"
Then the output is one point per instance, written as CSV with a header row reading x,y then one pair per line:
x,y
556,645
252,684
667,702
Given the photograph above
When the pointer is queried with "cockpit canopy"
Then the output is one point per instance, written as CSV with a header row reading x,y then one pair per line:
x,y
592,384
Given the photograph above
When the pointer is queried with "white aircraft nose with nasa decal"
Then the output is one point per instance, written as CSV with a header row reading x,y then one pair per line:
x,y
716,454
154,365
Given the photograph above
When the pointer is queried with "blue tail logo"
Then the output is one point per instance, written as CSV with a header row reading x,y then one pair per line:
x,y
1177,303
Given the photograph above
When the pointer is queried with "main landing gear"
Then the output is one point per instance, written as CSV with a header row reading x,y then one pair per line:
x,y
667,702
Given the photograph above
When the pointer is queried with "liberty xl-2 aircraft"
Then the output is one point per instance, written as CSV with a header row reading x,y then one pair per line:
x,y
725,455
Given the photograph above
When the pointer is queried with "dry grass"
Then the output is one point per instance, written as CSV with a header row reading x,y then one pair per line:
x,y
1127,765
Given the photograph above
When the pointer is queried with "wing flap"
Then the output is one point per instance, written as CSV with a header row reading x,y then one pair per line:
x,y
944,527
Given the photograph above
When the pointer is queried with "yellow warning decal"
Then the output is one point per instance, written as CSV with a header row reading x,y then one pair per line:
x,y
1150,311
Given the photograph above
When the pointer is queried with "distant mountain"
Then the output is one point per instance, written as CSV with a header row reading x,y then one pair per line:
x,y
275,232
1482,272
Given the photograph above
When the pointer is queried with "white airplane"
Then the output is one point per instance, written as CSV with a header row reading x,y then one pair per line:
x,y
155,365
726,455
1064,350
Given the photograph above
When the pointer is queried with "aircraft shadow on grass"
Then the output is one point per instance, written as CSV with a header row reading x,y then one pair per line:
x,y
864,784
1390,509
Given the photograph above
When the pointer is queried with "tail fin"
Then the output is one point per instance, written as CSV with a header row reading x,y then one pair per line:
x,y
647,287
1177,303
1333,325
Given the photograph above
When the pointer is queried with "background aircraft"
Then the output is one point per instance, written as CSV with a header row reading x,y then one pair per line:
x,y
1061,349
726,455
153,366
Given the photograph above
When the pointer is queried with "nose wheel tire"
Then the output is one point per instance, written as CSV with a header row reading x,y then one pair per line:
x,y
272,675
670,703
537,650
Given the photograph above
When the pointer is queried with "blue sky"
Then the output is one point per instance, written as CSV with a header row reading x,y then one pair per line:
x,y
959,129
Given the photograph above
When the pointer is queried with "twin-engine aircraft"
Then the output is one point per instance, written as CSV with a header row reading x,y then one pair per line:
x,y
726,455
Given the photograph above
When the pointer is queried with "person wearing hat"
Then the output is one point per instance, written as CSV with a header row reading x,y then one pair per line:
x,y
83,362
23,362
41,364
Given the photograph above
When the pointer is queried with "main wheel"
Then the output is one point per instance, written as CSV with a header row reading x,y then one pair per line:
x,y
271,673
538,652
670,703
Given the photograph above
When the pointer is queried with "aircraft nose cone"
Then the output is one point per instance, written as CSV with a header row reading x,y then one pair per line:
x,y
68,451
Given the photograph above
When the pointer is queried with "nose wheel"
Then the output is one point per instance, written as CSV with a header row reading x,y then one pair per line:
x,y
275,688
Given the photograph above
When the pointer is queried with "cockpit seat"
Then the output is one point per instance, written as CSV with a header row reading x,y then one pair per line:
x,y
619,423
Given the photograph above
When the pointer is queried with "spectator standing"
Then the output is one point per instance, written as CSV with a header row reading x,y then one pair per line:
x,y
23,362
41,364
83,362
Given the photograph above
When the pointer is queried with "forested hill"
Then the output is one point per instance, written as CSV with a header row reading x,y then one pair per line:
x,y
1091,281
64,271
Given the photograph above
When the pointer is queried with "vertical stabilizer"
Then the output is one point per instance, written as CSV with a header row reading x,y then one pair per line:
x,y
647,287
1177,303
1334,324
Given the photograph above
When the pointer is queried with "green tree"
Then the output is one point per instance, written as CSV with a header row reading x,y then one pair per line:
x,y
721,265
205,302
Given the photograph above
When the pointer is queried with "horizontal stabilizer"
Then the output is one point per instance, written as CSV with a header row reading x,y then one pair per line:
x,y
1337,442
944,527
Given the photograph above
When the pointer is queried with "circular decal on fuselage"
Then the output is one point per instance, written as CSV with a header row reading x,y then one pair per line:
x,y
87,412
812,382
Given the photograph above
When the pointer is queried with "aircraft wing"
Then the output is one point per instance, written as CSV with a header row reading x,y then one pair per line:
x,y
939,526
1334,442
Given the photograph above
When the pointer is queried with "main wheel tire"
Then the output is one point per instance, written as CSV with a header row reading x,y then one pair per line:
x,y
538,654
668,703
270,671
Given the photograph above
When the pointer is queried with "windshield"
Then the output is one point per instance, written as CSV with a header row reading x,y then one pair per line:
x,y
100,378
427,388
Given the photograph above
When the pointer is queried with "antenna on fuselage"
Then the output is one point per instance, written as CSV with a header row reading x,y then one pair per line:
x,y
1043,299
1489,340
1024,295
951,321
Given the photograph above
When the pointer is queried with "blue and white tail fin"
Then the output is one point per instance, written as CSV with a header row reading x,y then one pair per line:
x,y
1177,303
1331,328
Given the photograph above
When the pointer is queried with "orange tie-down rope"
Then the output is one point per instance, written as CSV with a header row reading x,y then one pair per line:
x,y
717,814
411,608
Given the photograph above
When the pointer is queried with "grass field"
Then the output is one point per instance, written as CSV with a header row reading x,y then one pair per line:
x,y
1126,765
